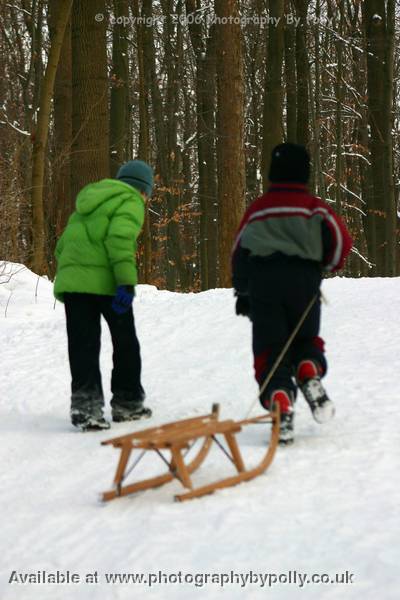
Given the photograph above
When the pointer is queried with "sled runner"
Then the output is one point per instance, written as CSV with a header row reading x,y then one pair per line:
x,y
178,438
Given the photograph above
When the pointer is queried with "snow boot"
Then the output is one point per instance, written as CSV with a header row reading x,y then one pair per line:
x,y
124,408
87,414
309,381
286,432
121,413
285,400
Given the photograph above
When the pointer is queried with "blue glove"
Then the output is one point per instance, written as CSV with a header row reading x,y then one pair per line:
x,y
123,299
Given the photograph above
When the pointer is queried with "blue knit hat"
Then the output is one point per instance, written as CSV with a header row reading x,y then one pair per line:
x,y
138,174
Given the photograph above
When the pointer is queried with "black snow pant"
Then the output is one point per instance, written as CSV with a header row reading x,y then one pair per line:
x,y
83,313
280,290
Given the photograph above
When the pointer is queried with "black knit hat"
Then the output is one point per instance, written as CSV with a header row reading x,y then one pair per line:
x,y
289,163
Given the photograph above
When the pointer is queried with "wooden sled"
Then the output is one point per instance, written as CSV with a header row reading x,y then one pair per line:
x,y
178,438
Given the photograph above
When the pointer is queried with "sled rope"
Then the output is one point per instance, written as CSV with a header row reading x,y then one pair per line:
x,y
284,350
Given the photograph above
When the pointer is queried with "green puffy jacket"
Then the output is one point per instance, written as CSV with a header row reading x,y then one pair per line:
x,y
97,251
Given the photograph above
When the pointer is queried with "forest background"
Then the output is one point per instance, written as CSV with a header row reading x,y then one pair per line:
x,y
203,90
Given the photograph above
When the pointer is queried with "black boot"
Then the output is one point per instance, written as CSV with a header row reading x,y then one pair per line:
x,y
87,413
127,408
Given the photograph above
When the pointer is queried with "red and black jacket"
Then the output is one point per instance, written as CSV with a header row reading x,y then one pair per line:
x,y
289,221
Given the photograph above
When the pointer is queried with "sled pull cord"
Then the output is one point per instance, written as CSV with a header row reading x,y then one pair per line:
x,y
284,350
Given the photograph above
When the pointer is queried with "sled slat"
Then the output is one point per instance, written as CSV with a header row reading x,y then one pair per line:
x,y
170,427
169,439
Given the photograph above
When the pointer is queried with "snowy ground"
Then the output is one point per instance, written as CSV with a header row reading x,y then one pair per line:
x,y
327,505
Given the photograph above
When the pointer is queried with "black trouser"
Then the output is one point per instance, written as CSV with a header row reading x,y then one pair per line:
x,y
83,312
280,291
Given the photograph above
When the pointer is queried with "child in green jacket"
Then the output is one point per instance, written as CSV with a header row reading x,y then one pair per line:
x,y
96,276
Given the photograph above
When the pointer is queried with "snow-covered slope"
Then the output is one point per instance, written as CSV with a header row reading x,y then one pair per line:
x,y
327,505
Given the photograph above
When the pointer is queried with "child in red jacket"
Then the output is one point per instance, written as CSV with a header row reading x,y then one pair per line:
x,y
286,240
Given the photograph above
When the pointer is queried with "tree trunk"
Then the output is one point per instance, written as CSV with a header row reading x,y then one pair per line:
x,y
290,77
62,198
302,66
273,95
255,81
339,108
317,183
144,135
205,70
176,266
90,114
189,198
119,90
209,110
230,142
157,113
378,25
41,134
388,102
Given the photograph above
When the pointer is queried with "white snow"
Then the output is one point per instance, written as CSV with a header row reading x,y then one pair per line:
x,y
328,504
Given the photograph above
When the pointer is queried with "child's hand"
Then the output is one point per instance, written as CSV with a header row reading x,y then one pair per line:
x,y
123,299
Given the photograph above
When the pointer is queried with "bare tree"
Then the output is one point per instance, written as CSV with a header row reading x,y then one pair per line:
x,y
119,132
230,142
90,112
379,31
273,94
41,135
